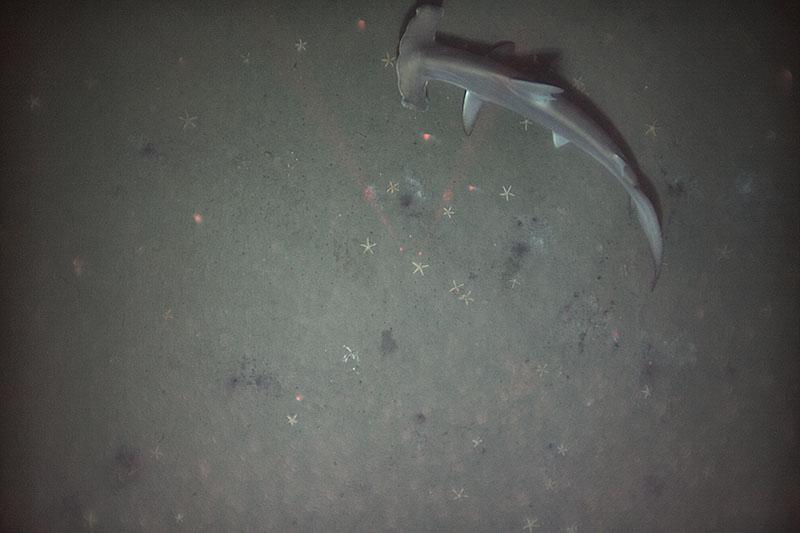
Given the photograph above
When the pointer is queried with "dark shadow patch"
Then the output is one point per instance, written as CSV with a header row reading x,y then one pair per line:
x,y
650,370
412,199
587,317
72,512
250,378
125,466
513,263
145,148
520,249
406,200
411,204
654,485
731,372
148,151
420,438
528,222
267,384
676,189
388,344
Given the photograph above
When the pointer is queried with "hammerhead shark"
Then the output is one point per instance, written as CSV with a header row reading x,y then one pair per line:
x,y
421,59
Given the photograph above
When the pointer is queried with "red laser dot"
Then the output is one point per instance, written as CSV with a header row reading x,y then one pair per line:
x,y
369,193
77,265
447,195
298,397
198,218
426,136
362,24
785,81
472,188
402,249
419,254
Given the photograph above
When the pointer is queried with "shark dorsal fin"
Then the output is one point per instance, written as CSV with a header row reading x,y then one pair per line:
x,y
538,92
472,105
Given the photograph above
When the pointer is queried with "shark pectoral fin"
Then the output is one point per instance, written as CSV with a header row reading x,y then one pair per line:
x,y
558,140
472,105
536,92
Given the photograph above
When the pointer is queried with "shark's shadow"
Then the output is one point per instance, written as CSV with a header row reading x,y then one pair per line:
x,y
541,66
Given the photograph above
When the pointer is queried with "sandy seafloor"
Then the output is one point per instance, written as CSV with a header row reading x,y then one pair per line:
x,y
184,291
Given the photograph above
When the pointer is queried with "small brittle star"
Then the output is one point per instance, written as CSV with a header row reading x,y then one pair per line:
x,y
466,298
388,60
367,246
350,355
419,267
458,494
187,121
507,192
723,253
157,453
531,524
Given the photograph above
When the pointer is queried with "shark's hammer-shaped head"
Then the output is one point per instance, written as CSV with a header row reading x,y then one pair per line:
x,y
420,34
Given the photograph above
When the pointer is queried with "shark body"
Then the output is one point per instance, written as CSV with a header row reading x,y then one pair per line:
x,y
422,59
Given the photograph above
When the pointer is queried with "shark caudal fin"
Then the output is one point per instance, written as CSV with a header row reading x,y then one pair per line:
x,y
645,211
420,32
649,222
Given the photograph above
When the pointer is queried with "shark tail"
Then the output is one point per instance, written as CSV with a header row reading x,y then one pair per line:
x,y
648,219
